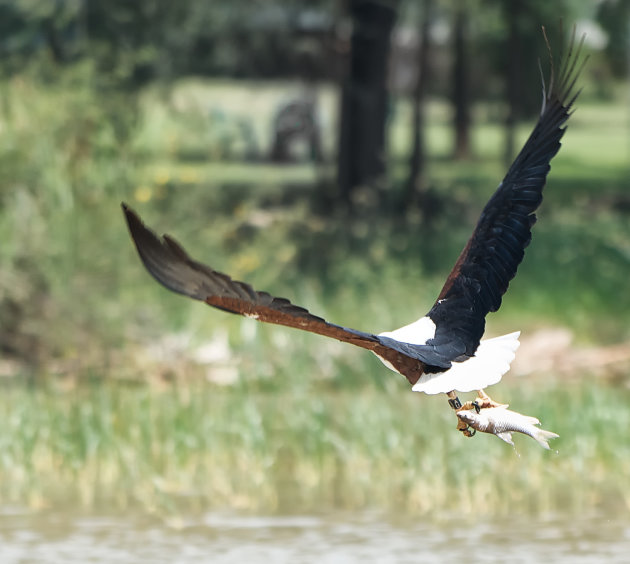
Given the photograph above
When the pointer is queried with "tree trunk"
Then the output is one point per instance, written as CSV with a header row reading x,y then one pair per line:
x,y
512,14
361,155
416,182
460,94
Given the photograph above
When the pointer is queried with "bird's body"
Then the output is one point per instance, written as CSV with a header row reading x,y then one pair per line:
x,y
486,367
443,351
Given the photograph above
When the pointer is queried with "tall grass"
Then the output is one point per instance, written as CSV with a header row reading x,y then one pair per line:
x,y
194,447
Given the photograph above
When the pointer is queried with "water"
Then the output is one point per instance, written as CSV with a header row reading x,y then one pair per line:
x,y
337,538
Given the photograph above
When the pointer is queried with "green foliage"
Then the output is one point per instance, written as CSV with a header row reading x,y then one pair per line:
x,y
196,447
134,43
614,17
57,148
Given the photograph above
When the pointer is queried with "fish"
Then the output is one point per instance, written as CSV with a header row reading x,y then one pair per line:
x,y
502,422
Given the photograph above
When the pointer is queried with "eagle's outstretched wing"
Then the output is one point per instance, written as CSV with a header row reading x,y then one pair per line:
x,y
170,265
491,257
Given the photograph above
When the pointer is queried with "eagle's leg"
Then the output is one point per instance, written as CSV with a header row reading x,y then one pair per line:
x,y
454,402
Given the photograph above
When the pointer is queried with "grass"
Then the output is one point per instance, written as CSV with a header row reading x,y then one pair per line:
x,y
106,406
192,447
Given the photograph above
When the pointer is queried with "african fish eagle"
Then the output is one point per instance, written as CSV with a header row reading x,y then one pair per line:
x,y
442,352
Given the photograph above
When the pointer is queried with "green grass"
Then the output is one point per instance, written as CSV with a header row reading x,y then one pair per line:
x,y
193,447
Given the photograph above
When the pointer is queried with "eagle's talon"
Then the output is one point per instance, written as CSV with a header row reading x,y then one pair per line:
x,y
484,401
465,429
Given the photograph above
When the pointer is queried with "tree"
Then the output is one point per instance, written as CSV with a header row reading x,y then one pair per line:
x,y
364,99
460,94
513,77
416,180
522,22
614,17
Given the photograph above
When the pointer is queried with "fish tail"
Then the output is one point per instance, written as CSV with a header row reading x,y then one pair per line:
x,y
541,437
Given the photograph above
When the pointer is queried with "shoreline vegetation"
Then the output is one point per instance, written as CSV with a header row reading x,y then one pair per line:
x,y
193,447
303,424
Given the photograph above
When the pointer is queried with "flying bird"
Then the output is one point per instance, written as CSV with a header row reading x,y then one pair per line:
x,y
442,352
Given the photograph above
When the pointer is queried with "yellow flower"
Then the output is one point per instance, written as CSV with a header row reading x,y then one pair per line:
x,y
143,194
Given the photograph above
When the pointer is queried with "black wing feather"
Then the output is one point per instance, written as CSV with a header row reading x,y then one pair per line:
x,y
489,261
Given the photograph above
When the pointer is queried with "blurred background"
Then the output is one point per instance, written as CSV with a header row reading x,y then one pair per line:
x,y
337,153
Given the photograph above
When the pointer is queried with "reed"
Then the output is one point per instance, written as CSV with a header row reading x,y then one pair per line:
x,y
194,447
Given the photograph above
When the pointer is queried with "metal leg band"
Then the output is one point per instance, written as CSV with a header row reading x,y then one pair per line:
x,y
455,403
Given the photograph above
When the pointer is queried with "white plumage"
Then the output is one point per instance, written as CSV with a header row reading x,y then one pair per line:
x,y
416,333
491,361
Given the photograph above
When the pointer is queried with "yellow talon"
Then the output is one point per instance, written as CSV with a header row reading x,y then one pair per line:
x,y
483,401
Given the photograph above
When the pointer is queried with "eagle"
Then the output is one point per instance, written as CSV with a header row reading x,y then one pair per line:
x,y
443,352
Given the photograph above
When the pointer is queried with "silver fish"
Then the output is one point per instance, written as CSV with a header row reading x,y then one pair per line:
x,y
502,422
